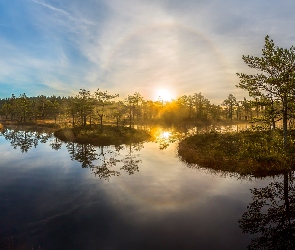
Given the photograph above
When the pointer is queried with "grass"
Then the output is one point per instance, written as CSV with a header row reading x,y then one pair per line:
x,y
256,153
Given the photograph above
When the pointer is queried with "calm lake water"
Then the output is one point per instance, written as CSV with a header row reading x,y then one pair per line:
x,y
67,196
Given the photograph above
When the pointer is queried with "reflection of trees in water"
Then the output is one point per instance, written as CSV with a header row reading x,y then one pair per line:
x,y
106,161
103,160
130,161
56,143
272,215
24,140
83,153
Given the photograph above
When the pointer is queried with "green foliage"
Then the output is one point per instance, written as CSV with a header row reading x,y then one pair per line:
x,y
275,80
102,101
24,109
230,103
133,107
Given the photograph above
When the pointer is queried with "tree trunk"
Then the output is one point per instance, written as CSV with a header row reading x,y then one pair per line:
x,y
273,123
100,117
273,115
130,117
285,121
84,120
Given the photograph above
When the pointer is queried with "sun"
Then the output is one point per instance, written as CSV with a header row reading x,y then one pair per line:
x,y
164,95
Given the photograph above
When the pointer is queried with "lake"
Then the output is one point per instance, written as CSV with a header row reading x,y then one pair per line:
x,y
57,195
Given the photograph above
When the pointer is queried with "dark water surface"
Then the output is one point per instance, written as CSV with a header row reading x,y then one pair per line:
x,y
67,196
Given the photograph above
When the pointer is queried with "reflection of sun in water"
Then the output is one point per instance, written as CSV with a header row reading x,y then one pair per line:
x,y
165,135
164,95
163,138
161,134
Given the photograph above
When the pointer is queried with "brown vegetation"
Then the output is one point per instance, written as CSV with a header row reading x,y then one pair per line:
x,y
109,135
253,153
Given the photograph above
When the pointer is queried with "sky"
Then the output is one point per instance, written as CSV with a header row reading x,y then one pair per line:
x,y
57,47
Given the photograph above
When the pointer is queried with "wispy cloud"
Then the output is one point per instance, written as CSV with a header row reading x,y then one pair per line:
x,y
62,12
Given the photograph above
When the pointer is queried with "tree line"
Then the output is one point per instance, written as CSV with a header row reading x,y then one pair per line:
x,y
102,107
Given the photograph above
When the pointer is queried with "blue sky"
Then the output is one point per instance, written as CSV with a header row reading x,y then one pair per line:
x,y
56,47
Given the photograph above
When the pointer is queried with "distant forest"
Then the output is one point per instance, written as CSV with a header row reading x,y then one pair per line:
x,y
101,107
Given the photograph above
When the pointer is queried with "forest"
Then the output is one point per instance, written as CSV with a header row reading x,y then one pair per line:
x,y
101,108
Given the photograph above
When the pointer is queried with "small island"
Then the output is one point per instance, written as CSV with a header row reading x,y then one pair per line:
x,y
102,136
255,153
